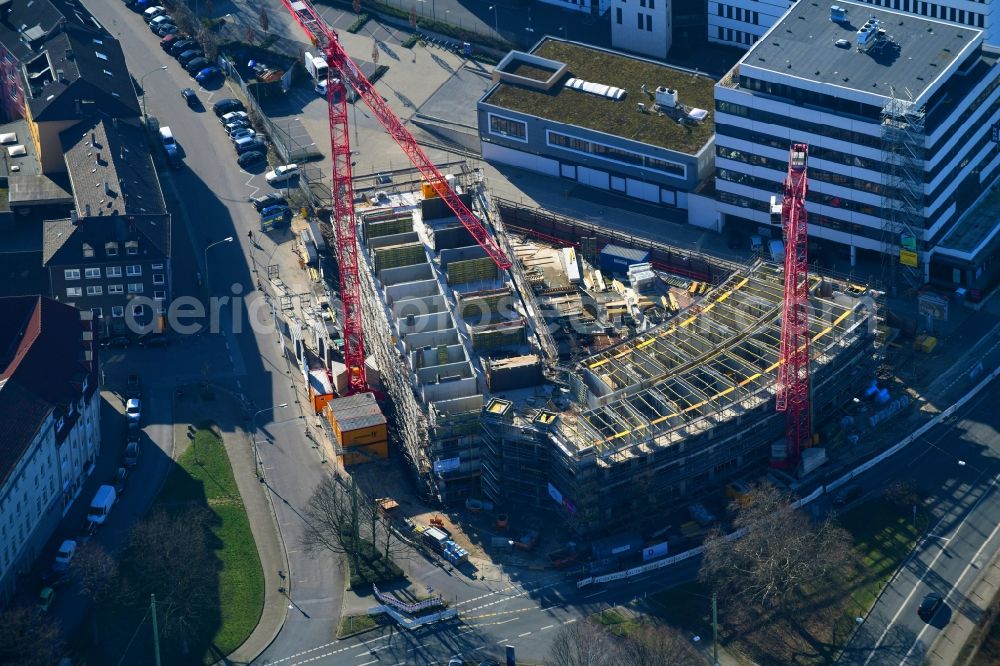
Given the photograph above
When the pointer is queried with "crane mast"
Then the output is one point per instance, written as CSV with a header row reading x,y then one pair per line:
x,y
344,71
793,394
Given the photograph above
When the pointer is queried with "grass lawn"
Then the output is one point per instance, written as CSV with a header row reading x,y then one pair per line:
x,y
619,623
367,566
356,624
883,537
205,477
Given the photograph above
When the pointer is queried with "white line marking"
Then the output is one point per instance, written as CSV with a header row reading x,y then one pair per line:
x,y
594,594
548,626
373,661
570,621
502,641
527,633
930,567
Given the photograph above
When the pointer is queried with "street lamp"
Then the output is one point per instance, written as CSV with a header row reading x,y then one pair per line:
x,y
141,85
258,465
227,239
496,19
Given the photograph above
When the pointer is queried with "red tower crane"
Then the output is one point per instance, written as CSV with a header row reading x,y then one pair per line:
x,y
793,371
342,218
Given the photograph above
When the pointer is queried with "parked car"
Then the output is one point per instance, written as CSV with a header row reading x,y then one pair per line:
x,y
65,555
153,12
189,55
179,47
277,209
239,123
930,606
131,454
154,340
121,480
282,173
848,494
242,133
207,74
134,432
195,65
265,200
116,342
253,158
227,105
45,599
133,410
233,116
169,40
191,98
162,19
168,29
255,144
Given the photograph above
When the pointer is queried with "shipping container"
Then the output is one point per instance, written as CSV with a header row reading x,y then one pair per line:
x,y
616,259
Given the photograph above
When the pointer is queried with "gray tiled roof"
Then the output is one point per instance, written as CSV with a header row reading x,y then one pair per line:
x,y
62,240
356,411
111,170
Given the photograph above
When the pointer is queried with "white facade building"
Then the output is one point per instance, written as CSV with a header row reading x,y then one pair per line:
x,y
742,22
642,26
807,80
586,6
49,424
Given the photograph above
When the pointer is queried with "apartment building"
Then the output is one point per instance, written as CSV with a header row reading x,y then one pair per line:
x,y
863,95
49,424
642,26
742,22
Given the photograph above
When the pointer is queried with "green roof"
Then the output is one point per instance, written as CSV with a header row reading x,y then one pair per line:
x,y
605,115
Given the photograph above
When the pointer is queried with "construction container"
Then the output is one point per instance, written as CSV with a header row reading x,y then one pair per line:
x,y
616,259
358,455
358,423
508,374
320,389
925,343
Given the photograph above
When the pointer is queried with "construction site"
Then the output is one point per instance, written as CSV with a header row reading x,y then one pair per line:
x,y
588,381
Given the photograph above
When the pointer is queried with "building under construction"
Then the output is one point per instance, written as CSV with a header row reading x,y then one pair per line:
x,y
634,413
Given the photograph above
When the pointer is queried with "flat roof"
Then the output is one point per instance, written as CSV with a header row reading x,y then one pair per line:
x,y
915,50
977,226
618,118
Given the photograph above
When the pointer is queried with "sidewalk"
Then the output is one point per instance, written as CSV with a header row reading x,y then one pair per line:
x,y
226,413
947,648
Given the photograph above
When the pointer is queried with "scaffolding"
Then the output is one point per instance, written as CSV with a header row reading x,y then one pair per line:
x,y
903,221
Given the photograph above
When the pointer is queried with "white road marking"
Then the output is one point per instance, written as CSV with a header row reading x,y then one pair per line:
x,y
548,626
416,648
527,633
373,661
930,567
502,641
570,621
595,594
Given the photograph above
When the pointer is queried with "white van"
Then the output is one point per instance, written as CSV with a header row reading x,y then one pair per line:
x,y
100,506
153,12
167,137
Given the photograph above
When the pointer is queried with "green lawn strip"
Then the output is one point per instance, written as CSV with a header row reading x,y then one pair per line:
x,y
352,625
883,537
204,476
618,622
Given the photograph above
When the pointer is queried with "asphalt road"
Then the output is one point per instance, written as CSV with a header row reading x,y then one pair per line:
x,y
957,466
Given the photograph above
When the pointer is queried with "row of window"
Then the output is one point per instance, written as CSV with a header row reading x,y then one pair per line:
x,y
507,127
612,154
736,36
111,249
118,311
111,271
643,21
113,289
754,203
814,196
738,13
935,11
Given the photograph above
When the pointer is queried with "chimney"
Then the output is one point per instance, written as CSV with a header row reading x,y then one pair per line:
x,y
74,217
87,208
69,54
107,189
98,158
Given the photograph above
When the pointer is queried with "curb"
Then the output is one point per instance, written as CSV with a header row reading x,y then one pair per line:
x,y
993,596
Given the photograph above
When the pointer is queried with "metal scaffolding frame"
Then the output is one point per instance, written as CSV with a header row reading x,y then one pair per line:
x,y
903,142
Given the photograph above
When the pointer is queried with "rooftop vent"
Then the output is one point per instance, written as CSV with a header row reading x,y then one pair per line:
x,y
666,97
838,14
598,89
843,43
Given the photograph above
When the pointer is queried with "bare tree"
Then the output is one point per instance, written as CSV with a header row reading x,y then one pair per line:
x,y
28,639
583,644
265,24
781,553
169,556
332,518
659,645
100,580
902,494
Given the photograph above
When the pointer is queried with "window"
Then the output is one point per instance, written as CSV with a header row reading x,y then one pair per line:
x,y
652,4
719,9
649,22
98,313
729,11
642,3
132,248
135,287
92,273
756,17
512,129
639,20
618,15
71,274
72,292
133,270
113,271
95,290
118,311
157,267
138,311
159,295
88,250
116,289
722,32
111,249
158,278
